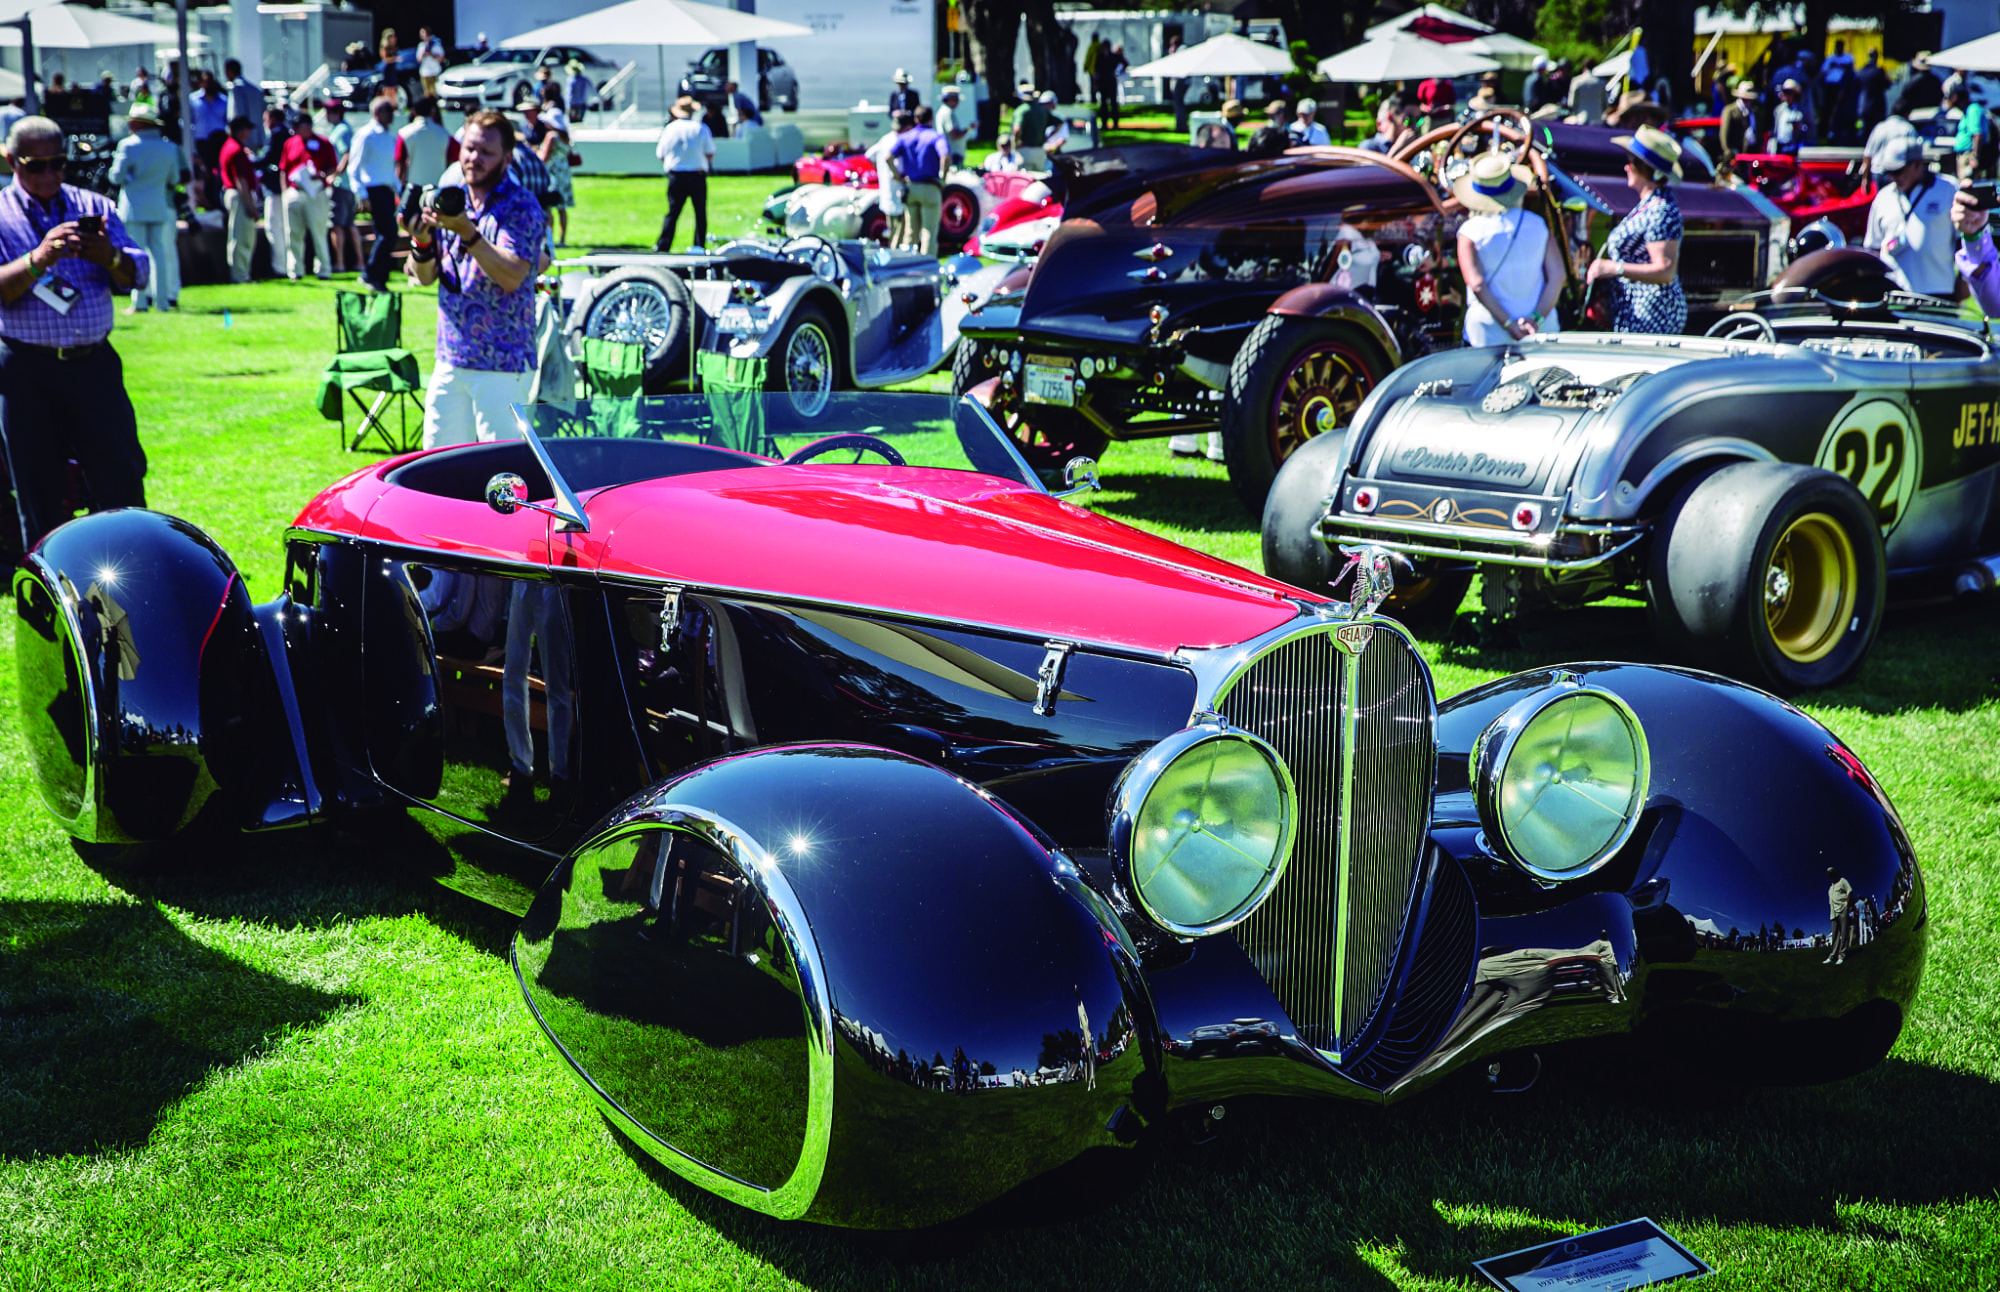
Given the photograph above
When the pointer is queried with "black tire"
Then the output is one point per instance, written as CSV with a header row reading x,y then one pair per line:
x,y
958,214
1770,572
642,304
1294,379
1047,438
805,363
1294,553
874,226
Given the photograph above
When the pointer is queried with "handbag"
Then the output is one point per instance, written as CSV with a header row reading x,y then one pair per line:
x,y
575,158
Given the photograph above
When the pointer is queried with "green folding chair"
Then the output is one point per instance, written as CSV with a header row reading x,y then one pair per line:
x,y
613,369
371,367
735,390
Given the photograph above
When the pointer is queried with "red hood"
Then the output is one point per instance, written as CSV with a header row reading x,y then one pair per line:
x,y
951,546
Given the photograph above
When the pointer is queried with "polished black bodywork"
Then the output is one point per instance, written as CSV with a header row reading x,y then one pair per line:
x,y
832,929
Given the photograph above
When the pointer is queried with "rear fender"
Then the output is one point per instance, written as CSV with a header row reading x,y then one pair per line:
x,y
147,688
836,983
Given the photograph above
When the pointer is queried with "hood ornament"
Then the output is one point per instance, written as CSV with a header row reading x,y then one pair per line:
x,y
1374,579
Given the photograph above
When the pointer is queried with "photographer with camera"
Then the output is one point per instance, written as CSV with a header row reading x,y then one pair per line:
x,y
482,245
1976,258
62,387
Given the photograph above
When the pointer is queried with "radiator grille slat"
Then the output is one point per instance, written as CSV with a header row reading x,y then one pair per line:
x,y
1293,697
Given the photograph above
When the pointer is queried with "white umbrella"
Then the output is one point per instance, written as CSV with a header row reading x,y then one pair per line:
x,y
1226,55
1375,61
657,22
68,26
1982,55
1435,12
1510,51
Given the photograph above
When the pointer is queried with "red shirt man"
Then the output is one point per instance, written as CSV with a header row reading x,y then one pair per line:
x,y
306,146
239,169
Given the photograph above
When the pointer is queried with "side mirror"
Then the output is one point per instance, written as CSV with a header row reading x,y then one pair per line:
x,y
1079,474
506,493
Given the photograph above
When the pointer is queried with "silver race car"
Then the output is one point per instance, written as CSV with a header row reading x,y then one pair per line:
x,y
1764,489
823,315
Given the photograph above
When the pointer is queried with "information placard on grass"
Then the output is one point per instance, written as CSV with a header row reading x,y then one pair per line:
x,y
1636,1254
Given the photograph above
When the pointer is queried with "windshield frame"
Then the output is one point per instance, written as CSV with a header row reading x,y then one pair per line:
x,y
570,509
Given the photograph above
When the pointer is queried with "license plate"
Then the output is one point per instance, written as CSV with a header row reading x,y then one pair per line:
x,y
1047,384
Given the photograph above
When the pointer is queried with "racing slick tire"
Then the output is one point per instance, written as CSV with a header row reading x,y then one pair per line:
x,y
958,214
643,304
805,364
1294,553
1294,378
1771,572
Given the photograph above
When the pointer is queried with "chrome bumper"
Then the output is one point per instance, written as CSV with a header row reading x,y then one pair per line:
x,y
1530,549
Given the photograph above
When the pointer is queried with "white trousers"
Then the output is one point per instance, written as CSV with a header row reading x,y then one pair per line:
x,y
471,405
161,239
240,230
306,220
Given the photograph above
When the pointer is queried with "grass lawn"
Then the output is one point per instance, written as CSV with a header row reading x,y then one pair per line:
x,y
303,1062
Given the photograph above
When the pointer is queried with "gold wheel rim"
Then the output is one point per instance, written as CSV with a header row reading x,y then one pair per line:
x,y
1810,588
1320,394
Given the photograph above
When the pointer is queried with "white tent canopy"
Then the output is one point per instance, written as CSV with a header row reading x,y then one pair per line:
x,y
1392,59
70,26
657,22
1982,55
1226,55
1435,12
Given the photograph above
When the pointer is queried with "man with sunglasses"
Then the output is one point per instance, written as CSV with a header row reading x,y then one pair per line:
x,y
62,388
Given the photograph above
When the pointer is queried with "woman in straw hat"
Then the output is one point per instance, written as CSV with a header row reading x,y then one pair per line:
x,y
1643,253
1513,269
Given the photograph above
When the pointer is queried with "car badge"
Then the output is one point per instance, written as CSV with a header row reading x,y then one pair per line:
x,y
1442,512
1507,398
1352,639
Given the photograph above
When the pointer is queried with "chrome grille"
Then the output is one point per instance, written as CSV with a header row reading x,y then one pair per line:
x,y
1328,966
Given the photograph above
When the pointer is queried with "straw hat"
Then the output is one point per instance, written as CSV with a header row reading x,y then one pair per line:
x,y
1493,184
1746,90
902,77
143,114
1650,146
1232,111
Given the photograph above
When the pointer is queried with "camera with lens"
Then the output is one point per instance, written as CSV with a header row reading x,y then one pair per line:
x,y
449,201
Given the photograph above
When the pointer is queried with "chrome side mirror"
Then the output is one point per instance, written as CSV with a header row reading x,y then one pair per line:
x,y
506,493
1079,474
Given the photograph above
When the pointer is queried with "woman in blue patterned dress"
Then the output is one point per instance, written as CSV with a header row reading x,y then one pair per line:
x,y
1643,252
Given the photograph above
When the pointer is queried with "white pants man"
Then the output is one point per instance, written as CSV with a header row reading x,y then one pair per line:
x,y
306,216
160,238
240,230
535,618
472,405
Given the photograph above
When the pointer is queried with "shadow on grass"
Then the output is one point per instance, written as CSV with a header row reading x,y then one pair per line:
x,y
109,1014
1296,1193
1185,497
380,864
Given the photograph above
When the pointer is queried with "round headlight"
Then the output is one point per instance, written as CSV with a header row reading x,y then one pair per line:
x,y
1202,825
1560,779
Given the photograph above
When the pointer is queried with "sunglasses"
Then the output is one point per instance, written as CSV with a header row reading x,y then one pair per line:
x,y
39,165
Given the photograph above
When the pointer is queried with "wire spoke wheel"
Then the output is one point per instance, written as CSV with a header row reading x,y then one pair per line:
x,y
635,312
1319,393
809,369
1810,587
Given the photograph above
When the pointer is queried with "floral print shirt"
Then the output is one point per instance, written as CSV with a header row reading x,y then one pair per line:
x,y
480,326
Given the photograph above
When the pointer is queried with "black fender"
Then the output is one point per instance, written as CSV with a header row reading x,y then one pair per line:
x,y
836,983
1337,305
1714,920
146,682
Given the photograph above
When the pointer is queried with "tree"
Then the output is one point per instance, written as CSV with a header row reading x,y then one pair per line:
x,y
994,25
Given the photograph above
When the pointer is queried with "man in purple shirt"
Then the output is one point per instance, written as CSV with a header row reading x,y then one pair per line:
x,y
484,263
62,387
1976,259
919,156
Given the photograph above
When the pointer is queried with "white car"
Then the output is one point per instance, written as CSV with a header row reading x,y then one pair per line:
x,y
505,78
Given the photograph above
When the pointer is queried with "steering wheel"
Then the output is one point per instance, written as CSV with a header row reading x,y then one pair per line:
x,y
855,440
1452,135
815,251
1744,325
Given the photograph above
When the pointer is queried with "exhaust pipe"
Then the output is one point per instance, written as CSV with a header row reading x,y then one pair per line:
x,y
1979,575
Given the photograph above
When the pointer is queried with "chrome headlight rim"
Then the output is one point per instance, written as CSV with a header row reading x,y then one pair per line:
x,y
1496,746
1143,775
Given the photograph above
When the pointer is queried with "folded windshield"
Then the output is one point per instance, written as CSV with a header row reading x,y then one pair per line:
x,y
868,430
